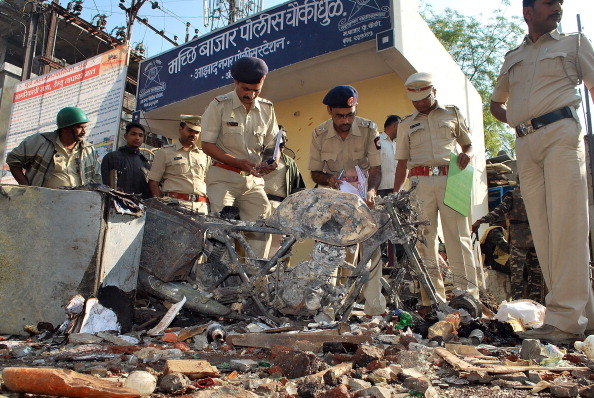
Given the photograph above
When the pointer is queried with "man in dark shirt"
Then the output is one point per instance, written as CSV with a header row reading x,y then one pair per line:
x,y
131,167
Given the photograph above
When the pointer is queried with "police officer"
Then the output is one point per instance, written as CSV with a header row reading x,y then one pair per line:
x,y
237,127
182,167
424,143
339,144
526,277
58,158
537,94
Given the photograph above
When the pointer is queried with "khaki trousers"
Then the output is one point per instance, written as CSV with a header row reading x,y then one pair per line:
x,y
429,193
228,188
551,164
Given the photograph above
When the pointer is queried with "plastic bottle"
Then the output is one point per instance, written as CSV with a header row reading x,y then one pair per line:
x,y
215,332
445,327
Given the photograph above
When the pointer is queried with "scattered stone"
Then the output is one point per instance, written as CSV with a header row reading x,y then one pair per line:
x,y
84,338
518,376
174,382
309,388
297,363
366,354
358,384
564,390
479,377
377,364
409,359
340,391
200,342
420,384
305,345
534,377
376,392
388,338
531,350
393,350
141,381
98,371
587,392
243,365
193,368
226,391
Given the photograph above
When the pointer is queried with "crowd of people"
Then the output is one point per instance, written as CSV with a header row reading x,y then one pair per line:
x,y
536,94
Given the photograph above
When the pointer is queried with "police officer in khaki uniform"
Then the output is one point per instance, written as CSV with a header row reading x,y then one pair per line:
x,y
337,146
237,127
537,94
182,167
424,142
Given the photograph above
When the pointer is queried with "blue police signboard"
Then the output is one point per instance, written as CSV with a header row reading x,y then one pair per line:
x,y
284,35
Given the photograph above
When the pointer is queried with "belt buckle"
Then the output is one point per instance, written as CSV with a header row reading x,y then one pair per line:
x,y
434,171
525,129
192,197
244,173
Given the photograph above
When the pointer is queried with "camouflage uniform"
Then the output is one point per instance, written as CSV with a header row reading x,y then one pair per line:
x,y
526,276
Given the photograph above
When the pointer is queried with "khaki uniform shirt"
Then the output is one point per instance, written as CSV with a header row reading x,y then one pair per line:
x,y
183,171
66,167
244,135
428,140
275,182
538,78
331,154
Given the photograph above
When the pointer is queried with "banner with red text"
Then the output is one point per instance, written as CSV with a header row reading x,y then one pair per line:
x,y
95,85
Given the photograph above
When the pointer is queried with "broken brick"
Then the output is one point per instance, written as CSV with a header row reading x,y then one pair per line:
x,y
367,354
297,363
340,391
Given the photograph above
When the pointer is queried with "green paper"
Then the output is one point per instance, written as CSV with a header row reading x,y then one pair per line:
x,y
458,187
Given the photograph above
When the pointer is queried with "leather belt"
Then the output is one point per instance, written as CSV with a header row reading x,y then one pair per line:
x,y
188,197
529,126
275,197
231,168
429,171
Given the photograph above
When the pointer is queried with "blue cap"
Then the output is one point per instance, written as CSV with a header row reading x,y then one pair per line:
x,y
341,97
249,70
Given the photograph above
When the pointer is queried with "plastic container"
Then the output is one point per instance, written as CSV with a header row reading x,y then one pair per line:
x,y
476,336
215,332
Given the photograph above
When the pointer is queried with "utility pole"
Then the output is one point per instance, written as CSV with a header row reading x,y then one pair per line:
x,y
51,37
131,15
31,40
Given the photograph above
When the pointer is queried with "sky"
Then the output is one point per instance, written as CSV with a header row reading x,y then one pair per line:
x,y
172,16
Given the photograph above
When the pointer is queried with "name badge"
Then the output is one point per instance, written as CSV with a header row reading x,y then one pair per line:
x,y
412,126
177,158
232,124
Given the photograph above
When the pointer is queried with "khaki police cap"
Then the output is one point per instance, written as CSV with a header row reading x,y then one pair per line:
x,y
192,121
419,86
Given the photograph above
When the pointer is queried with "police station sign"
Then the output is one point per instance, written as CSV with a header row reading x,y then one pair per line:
x,y
284,35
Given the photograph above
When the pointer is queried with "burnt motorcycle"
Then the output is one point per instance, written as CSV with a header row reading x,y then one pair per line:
x,y
208,260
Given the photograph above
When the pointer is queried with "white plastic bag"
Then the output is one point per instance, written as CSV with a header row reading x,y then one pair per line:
x,y
529,312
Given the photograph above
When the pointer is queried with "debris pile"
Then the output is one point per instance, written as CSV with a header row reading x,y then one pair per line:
x,y
366,357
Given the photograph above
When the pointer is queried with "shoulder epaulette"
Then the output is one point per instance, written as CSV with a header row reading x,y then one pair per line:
x,y
223,97
511,51
452,106
265,101
168,146
367,123
321,129
406,117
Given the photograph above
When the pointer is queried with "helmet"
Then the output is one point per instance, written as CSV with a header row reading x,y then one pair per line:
x,y
69,116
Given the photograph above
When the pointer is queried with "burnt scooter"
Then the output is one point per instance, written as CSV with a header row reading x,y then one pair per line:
x,y
199,256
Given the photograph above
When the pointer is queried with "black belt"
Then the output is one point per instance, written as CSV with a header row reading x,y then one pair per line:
x,y
530,126
275,198
518,222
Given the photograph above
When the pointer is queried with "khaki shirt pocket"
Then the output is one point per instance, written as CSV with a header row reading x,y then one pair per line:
x,y
232,135
416,136
178,165
552,64
514,71
329,161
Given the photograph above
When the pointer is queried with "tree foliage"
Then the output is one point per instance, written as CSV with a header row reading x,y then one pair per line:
x,y
479,47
